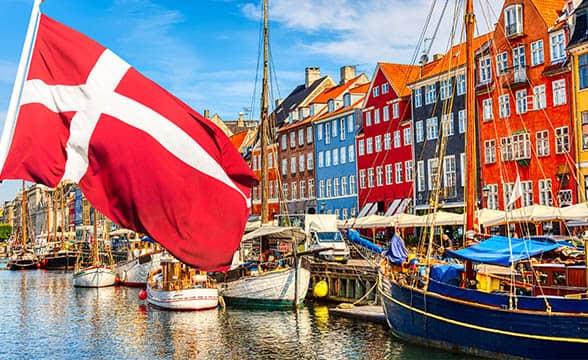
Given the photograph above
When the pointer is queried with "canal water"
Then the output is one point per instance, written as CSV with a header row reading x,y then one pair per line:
x,y
44,317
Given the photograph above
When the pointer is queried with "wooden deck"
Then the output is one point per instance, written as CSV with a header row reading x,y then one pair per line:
x,y
371,313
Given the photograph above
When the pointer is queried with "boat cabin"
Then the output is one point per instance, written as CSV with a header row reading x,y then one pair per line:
x,y
177,276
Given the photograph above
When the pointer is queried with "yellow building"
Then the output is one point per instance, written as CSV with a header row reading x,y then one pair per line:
x,y
578,49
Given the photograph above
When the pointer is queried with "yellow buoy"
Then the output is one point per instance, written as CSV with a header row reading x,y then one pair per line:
x,y
321,289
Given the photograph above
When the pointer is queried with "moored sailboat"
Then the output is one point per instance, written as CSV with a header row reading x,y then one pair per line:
x,y
22,257
144,257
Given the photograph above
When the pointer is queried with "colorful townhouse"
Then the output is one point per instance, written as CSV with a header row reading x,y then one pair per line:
x,y
335,131
524,103
439,115
384,142
296,142
578,51
273,187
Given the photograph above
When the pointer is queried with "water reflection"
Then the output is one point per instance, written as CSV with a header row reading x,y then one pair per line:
x,y
45,317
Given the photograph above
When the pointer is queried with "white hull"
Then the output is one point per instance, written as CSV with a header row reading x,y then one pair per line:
x,y
276,286
135,273
94,277
187,299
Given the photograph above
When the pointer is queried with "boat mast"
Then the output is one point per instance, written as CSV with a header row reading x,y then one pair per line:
x,y
264,118
62,217
23,216
48,196
471,166
95,247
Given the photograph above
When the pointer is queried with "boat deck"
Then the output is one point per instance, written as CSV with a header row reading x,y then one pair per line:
x,y
371,313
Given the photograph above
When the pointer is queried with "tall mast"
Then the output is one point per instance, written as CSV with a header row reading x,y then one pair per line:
x,y
95,248
62,217
264,118
23,216
471,166
48,196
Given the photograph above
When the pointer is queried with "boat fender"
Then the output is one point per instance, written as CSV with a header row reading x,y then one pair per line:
x,y
142,294
221,302
345,306
320,289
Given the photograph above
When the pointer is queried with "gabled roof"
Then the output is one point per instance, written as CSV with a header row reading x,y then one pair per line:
x,y
360,89
335,91
306,121
341,110
549,10
399,75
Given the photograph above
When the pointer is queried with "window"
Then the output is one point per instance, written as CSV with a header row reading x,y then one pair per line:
x,y
319,131
342,155
360,147
352,189
450,176
327,133
379,176
521,105
336,187
420,175
446,89
559,92
418,97
461,84
539,101
487,109
309,161
387,141
461,120
386,113
558,48
537,53
521,145
385,88
398,172
292,139
562,140
584,116
294,192
309,135
545,196
395,110
284,142
462,167
490,151
310,188
347,100
335,157
322,189
300,137
334,128
513,20
370,177
430,94
342,131
388,174
321,159
408,170
376,91
396,139
327,158
301,162
564,197
293,165
376,116
501,63
504,106
506,149
369,145
329,188
527,193
583,71
285,191
331,105
447,124
519,64
493,196
542,138
485,75
350,124
407,136
419,131
351,153
368,118
507,190
302,189
284,166
270,160
433,165
343,185
378,141
432,129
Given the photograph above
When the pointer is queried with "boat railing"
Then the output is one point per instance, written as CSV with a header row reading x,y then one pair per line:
x,y
172,285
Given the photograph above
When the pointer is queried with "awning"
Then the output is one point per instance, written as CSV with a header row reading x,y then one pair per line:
x,y
575,212
373,210
392,208
285,233
403,205
365,209
497,250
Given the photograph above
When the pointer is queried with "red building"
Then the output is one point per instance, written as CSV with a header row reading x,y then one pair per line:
x,y
384,147
524,101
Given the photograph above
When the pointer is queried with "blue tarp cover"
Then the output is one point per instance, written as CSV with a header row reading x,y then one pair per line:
x,y
497,250
354,236
447,273
396,252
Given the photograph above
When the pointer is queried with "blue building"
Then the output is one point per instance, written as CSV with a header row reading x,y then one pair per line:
x,y
335,131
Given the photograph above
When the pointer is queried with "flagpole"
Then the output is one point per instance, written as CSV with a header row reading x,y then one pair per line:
x,y
21,74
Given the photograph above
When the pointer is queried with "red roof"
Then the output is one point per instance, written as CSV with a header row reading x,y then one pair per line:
x,y
399,75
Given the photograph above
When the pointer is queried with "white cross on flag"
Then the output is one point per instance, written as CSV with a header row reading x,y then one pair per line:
x,y
140,155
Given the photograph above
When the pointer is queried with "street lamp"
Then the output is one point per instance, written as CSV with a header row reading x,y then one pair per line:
x,y
485,192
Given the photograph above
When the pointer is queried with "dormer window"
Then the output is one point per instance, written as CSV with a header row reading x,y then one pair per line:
x,y
331,105
312,110
513,20
385,88
301,113
558,47
347,100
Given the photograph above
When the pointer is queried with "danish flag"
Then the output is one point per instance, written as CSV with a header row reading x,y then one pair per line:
x,y
140,155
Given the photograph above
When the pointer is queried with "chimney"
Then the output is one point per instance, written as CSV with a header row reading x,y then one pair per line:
x,y
279,102
312,74
347,73
240,122
207,113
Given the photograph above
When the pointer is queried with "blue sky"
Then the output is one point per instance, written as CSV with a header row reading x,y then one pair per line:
x,y
206,51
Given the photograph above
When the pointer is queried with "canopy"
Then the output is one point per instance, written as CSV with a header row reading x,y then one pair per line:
x,y
443,218
280,232
533,213
489,216
497,250
575,212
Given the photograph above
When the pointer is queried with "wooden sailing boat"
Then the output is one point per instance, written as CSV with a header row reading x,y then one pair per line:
x,y
144,257
23,258
59,255
263,283
98,272
461,316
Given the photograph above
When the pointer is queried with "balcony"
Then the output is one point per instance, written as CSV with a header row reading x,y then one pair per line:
x,y
514,77
514,30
